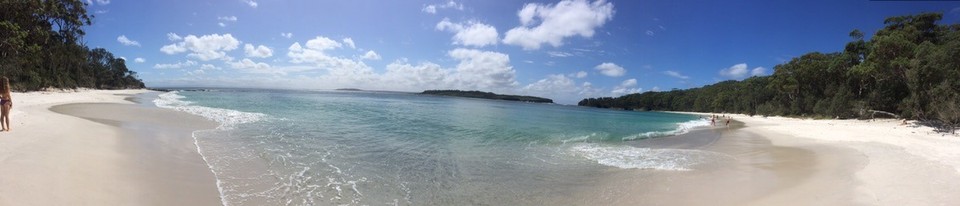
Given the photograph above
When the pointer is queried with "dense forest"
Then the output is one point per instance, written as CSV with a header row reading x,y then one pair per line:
x,y
909,69
41,46
487,95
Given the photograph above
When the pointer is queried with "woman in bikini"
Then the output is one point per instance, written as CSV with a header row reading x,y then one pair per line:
x,y
6,103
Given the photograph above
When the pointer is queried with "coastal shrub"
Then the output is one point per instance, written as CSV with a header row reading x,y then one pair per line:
x,y
910,68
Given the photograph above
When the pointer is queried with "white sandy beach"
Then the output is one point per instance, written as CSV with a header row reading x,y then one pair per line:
x,y
903,164
54,159
95,158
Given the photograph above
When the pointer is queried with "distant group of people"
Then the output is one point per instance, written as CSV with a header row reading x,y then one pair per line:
x,y
714,117
6,103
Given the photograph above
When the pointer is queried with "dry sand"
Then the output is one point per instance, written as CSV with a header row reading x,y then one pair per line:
x,y
109,153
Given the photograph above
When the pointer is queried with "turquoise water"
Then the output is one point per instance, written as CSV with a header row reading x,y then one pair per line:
x,y
280,147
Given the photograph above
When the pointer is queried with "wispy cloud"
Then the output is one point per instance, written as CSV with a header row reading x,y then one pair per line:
x,y
559,54
177,65
227,18
675,74
251,3
173,36
432,8
222,20
127,42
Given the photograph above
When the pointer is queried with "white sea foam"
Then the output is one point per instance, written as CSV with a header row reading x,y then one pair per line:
x,y
682,128
583,138
628,157
227,118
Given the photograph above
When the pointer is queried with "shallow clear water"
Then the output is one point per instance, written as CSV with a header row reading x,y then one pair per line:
x,y
279,147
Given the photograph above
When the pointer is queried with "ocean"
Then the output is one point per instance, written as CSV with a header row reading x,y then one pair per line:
x,y
298,147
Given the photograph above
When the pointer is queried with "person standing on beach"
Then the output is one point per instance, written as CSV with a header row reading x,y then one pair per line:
x,y
6,103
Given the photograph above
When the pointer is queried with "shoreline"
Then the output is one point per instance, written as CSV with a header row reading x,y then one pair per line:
x,y
102,147
744,169
894,164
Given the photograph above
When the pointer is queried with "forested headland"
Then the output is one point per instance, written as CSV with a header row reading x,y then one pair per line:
x,y
487,95
910,68
41,46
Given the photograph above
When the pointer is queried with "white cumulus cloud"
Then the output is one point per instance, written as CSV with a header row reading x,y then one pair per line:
x,y
581,74
349,43
550,24
371,55
258,51
554,84
610,69
475,70
417,77
740,71
735,72
286,35
250,66
206,47
626,87
483,69
139,60
758,71
314,52
127,42
470,33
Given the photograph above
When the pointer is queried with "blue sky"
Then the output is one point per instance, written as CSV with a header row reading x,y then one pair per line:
x,y
566,50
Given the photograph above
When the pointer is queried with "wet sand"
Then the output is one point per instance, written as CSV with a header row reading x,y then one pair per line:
x,y
768,165
159,143
749,170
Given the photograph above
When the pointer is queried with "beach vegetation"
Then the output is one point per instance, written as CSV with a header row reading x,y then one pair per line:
x,y
41,46
908,69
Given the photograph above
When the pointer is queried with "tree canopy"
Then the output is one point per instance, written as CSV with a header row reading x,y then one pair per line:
x,y
910,68
41,46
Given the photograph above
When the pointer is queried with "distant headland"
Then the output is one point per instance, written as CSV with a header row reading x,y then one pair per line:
x,y
487,95
349,89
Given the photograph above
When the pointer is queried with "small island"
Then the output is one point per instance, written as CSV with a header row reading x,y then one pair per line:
x,y
487,95
349,89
